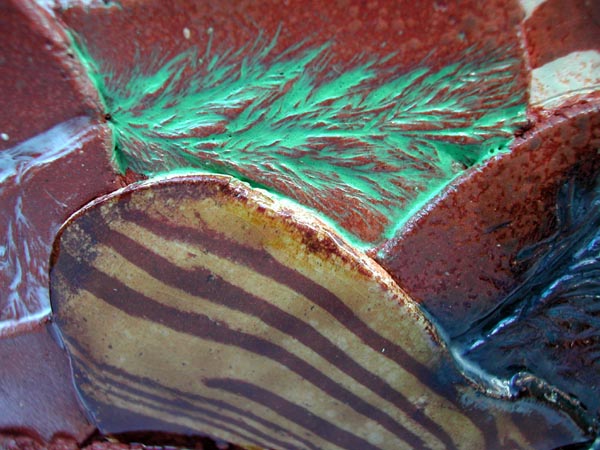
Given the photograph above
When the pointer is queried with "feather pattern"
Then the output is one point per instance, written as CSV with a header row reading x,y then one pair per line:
x,y
366,145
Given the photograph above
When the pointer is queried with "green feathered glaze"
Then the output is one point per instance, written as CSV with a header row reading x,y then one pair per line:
x,y
367,146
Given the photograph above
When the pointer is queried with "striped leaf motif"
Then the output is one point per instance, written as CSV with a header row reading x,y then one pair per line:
x,y
197,305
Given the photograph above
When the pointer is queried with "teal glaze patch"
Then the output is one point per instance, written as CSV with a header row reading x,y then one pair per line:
x,y
366,146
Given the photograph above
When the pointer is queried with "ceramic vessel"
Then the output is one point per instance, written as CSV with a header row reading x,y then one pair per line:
x,y
300,224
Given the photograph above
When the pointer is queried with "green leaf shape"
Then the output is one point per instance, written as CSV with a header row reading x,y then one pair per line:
x,y
367,146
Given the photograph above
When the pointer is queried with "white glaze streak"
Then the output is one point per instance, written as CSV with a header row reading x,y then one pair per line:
x,y
43,149
529,6
24,295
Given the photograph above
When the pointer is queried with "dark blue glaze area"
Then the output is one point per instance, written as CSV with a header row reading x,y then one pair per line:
x,y
543,338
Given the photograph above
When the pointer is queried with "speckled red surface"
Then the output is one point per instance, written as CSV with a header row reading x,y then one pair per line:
x,y
411,30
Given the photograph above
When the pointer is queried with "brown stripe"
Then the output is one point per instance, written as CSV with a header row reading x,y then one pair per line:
x,y
131,421
100,369
220,292
137,305
290,411
263,263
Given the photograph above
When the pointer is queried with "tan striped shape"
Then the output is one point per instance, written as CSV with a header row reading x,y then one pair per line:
x,y
197,305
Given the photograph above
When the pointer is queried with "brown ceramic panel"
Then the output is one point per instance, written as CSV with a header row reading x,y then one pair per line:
x,y
457,257
42,84
37,394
